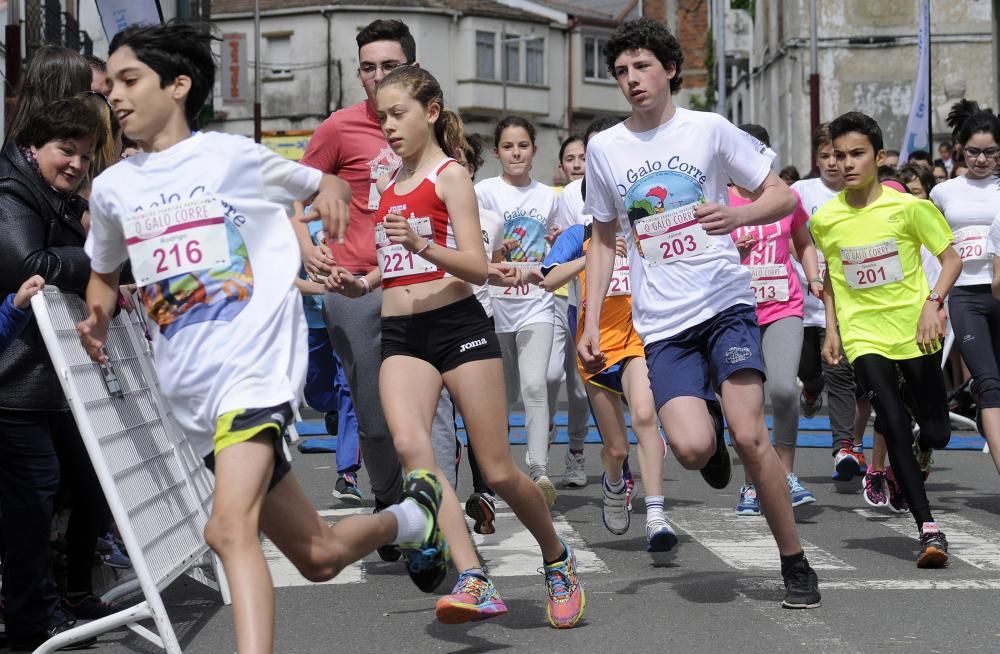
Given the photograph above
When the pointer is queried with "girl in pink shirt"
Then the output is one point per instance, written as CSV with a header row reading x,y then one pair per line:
x,y
766,250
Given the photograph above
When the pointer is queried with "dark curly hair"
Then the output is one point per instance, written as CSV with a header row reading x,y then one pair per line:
x,y
649,35
966,118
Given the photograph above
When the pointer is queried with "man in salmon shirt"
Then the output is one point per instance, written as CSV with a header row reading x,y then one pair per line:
x,y
350,144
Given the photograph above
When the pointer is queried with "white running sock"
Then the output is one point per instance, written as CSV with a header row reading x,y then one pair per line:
x,y
654,508
411,522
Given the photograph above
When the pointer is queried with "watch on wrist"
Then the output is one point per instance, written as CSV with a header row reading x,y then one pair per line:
x,y
936,297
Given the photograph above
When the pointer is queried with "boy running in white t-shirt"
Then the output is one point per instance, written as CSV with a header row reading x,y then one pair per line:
x,y
661,177
203,219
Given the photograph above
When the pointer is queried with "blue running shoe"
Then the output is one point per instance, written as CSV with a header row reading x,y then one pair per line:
x,y
426,561
659,536
800,494
748,505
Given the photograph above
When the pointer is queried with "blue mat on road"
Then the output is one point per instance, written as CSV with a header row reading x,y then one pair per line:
x,y
813,432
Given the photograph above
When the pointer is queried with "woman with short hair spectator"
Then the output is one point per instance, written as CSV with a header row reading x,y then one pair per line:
x,y
41,233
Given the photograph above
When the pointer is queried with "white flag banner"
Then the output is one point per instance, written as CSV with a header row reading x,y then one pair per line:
x,y
916,137
116,15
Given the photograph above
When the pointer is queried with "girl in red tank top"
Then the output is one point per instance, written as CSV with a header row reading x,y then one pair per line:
x,y
434,333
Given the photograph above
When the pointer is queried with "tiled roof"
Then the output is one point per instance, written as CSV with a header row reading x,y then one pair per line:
x,y
469,7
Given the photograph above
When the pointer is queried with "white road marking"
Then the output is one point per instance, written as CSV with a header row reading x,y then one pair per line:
x,y
744,543
513,552
284,573
510,552
973,543
875,585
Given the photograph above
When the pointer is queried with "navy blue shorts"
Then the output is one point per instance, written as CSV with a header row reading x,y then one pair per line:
x,y
696,361
610,379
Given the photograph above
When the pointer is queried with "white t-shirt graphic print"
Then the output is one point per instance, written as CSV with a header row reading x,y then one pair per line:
x,y
229,337
528,212
690,159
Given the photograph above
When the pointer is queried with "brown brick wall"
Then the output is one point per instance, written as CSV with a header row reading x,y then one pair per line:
x,y
692,32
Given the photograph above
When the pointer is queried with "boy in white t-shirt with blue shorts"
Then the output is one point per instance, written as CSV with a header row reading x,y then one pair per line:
x,y
661,177
203,218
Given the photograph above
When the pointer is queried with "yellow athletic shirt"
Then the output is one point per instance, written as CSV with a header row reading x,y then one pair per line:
x,y
873,259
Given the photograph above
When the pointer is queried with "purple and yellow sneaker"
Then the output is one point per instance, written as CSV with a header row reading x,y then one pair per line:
x,y
473,598
567,599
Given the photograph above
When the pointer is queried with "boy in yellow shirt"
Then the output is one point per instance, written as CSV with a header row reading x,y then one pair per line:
x,y
877,296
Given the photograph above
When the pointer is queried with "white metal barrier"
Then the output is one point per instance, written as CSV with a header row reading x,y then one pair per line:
x,y
158,489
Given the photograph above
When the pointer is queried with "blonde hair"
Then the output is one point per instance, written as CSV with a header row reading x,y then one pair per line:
x,y
425,89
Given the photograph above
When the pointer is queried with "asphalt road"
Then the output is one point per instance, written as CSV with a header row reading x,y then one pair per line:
x,y
719,591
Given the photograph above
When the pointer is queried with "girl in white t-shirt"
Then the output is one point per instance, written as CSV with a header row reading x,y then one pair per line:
x,y
969,204
524,314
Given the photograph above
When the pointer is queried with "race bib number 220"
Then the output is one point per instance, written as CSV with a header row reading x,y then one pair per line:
x,y
177,239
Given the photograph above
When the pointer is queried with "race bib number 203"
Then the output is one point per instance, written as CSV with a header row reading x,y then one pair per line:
x,y
176,239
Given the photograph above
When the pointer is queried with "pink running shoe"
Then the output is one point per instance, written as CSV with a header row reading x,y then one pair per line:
x,y
876,488
473,598
567,599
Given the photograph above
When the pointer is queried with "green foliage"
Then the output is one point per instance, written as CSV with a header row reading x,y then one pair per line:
x,y
748,5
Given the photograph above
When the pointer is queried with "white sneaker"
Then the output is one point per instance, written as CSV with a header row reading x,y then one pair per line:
x,y
617,517
575,475
548,490
660,536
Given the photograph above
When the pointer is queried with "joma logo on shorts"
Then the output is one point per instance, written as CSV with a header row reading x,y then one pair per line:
x,y
738,354
472,344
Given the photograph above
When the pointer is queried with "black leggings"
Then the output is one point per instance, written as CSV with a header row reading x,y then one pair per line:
x,y
975,317
880,377
810,361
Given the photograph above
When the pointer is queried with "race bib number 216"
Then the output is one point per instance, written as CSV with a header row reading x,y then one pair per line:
x,y
176,239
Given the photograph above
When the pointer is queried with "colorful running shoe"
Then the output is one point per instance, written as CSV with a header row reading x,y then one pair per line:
x,y
876,491
859,453
748,505
719,469
346,489
473,598
809,405
426,561
629,484
481,507
567,599
800,494
801,587
660,537
575,475
616,515
897,499
933,547
847,465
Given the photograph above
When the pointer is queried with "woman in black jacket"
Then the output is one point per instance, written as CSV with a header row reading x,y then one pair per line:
x,y
41,232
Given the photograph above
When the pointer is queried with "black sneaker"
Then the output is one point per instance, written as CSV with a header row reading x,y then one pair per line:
x,y
32,642
719,469
801,587
482,508
388,553
933,549
426,560
88,608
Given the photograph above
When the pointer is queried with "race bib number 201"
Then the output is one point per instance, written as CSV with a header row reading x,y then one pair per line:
x,y
177,239
671,236
870,266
